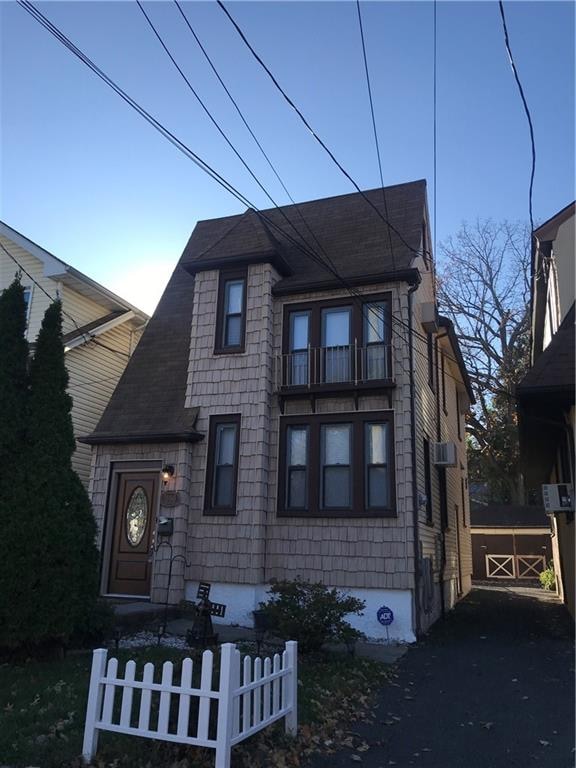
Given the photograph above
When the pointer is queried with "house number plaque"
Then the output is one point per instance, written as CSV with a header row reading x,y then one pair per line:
x,y
169,498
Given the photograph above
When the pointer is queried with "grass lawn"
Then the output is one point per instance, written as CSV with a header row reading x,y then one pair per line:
x,y
43,704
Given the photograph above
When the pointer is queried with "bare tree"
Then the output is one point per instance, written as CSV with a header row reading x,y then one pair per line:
x,y
484,287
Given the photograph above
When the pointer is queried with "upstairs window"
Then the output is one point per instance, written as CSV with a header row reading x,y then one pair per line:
x,y
231,317
336,349
376,340
299,342
337,342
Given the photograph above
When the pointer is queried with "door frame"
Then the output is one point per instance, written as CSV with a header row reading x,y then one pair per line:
x,y
118,468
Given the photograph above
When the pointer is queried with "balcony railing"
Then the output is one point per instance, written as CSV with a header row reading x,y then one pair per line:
x,y
327,367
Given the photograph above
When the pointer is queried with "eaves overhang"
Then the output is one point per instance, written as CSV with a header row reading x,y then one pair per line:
x,y
410,275
226,262
143,437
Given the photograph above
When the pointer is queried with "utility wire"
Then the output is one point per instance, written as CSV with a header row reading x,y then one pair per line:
x,y
244,120
89,337
221,131
195,158
434,120
311,130
526,110
367,71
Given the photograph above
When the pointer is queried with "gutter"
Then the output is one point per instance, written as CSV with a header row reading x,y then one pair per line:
x,y
416,537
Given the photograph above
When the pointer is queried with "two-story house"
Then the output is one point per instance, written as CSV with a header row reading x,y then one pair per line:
x,y
282,419
546,394
101,330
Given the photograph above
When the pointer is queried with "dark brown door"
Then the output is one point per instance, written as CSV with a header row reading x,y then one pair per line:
x,y
134,521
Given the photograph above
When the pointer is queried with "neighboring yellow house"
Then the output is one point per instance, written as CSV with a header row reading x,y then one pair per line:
x,y
101,330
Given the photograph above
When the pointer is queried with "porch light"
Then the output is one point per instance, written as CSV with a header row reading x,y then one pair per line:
x,y
167,473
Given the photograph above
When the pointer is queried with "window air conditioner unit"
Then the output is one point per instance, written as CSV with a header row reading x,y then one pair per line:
x,y
558,498
429,317
445,455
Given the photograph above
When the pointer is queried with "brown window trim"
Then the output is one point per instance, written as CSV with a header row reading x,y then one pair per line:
x,y
223,277
463,502
209,509
314,421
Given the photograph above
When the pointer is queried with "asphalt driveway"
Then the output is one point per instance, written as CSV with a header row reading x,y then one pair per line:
x,y
492,686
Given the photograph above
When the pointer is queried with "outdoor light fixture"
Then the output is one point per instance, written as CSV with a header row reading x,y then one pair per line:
x,y
167,473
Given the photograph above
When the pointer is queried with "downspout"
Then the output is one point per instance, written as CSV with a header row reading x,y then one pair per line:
x,y
439,440
415,505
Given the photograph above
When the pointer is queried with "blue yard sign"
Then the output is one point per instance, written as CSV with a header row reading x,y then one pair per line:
x,y
385,616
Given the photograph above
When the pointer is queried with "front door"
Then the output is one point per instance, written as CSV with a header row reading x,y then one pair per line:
x,y
134,520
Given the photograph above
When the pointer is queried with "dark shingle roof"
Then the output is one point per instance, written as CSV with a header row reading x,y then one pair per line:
x,y
349,230
553,371
148,403
507,516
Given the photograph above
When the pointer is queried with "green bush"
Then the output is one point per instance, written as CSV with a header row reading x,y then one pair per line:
x,y
98,626
48,554
548,578
311,613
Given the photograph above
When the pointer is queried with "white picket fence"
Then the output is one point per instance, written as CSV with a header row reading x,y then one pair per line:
x,y
252,693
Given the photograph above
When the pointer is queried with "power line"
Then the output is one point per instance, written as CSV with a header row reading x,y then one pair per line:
x,y
244,120
366,69
311,130
434,121
195,158
526,110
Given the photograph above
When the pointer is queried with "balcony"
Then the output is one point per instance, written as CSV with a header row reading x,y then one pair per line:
x,y
336,370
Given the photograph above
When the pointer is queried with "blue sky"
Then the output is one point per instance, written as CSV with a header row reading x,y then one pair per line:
x,y
89,180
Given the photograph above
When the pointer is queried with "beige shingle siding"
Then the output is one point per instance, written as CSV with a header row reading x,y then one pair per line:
x,y
231,549
353,553
426,419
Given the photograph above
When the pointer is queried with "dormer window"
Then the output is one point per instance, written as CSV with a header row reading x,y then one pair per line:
x,y
231,317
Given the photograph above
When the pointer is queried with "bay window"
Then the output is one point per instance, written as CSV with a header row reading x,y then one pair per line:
x,y
336,471
297,467
337,465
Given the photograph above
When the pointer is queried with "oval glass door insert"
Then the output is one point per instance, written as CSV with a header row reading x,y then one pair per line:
x,y
136,516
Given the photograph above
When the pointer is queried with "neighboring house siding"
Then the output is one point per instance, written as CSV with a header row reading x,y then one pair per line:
x,y
94,372
40,302
564,264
